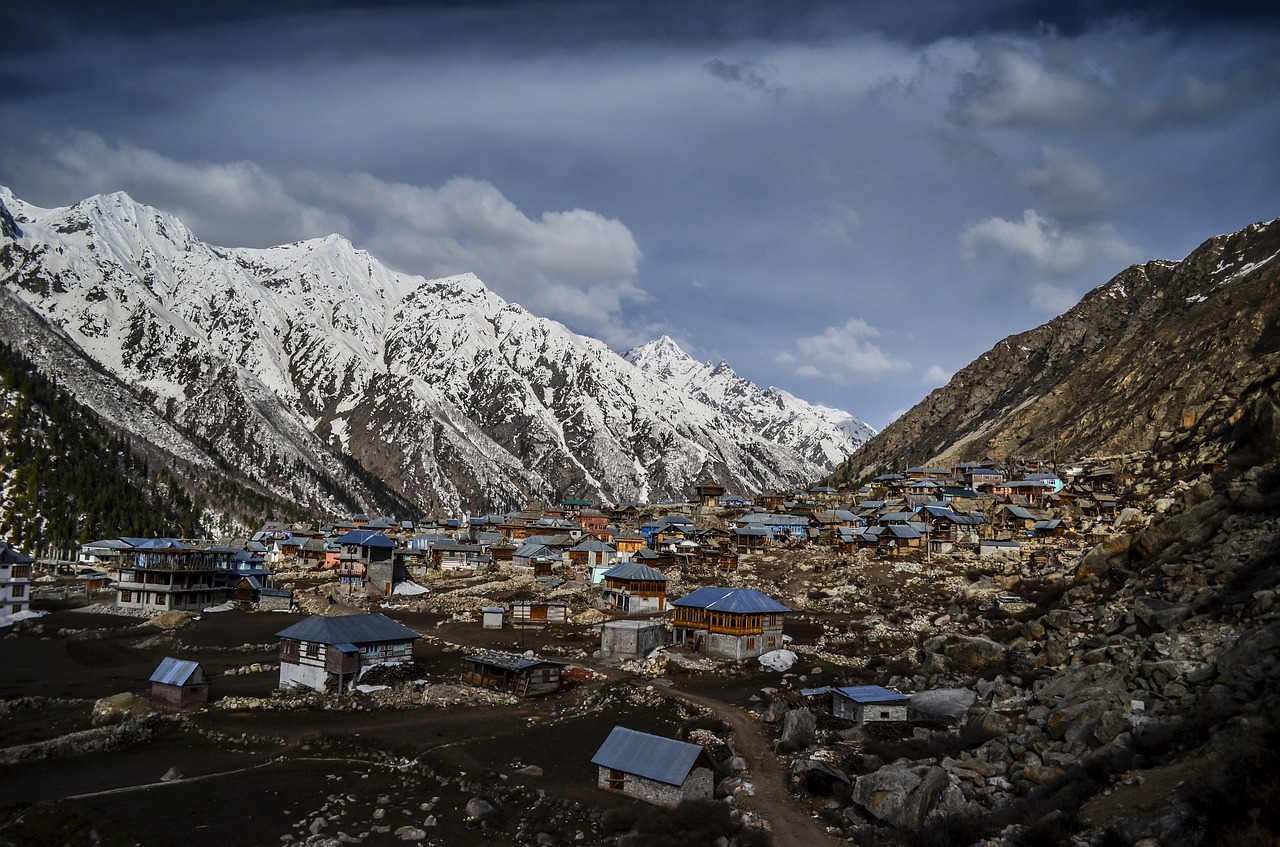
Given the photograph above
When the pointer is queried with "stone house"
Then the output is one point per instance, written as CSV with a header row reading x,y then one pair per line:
x,y
658,770
631,639
865,704
734,623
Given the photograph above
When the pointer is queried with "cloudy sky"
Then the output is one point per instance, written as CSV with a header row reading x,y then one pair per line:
x,y
847,200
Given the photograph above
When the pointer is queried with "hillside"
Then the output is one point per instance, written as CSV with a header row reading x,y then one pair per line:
x,y
1162,353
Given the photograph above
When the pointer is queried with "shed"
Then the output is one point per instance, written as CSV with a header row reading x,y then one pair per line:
x,y
492,616
179,684
631,639
865,704
655,769
539,611
524,676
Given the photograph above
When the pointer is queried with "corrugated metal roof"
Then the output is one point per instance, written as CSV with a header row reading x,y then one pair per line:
x,y
366,538
636,570
508,661
174,672
739,600
356,629
871,694
665,760
12,556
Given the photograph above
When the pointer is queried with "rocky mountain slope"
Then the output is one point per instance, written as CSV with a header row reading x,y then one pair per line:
x,y
313,371
821,434
1161,351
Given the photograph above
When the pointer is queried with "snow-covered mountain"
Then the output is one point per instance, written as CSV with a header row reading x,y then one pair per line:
x,y
819,433
284,364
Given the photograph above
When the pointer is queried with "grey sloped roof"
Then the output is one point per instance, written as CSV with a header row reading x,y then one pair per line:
x,y
636,570
354,629
13,556
738,600
651,756
871,694
175,672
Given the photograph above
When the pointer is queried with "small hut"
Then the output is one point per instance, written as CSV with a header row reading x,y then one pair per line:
x,y
492,616
658,770
179,684
519,675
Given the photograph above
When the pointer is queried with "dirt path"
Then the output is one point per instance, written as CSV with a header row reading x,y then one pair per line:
x,y
790,822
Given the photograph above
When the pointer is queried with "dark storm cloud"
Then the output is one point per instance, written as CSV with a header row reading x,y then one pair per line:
x,y
790,186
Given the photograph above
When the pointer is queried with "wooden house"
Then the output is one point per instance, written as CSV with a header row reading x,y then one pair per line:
x,y
734,623
663,771
709,494
519,675
635,588
330,653
179,684
865,704
539,611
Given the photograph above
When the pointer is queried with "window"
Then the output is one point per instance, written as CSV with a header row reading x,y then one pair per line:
x,y
18,590
616,779
126,596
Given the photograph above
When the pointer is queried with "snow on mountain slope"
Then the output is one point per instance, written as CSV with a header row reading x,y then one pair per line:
x,y
282,359
821,434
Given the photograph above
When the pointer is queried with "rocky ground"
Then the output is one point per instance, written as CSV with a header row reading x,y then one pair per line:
x,y
1121,694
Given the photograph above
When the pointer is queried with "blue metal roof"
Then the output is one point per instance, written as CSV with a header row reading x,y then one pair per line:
x,y
355,629
871,694
651,756
366,538
13,556
737,600
174,672
636,570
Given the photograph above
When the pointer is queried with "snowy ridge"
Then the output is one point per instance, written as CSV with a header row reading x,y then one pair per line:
x,y
283,359
821,434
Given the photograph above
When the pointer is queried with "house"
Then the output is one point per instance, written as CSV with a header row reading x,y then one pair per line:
x,y
519,675
709,494
590,556
330,653
179,684
15,581
631,639
539,611
161,574
658,770
366,563
735,623
864,704
635,587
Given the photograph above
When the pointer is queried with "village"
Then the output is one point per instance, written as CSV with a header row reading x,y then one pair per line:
x,y
759,653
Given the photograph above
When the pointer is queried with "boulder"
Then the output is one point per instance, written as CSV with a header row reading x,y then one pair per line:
x,y
479,809
1159,615
119,707
943,702
973,653
819,778
798,729
900,794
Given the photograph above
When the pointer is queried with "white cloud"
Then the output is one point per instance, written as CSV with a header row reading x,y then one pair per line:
x,y
1013,85
784,358
576,266
935,375
844,350
1050,248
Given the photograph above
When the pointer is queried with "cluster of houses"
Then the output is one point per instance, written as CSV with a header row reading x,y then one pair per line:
x,y
627,552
